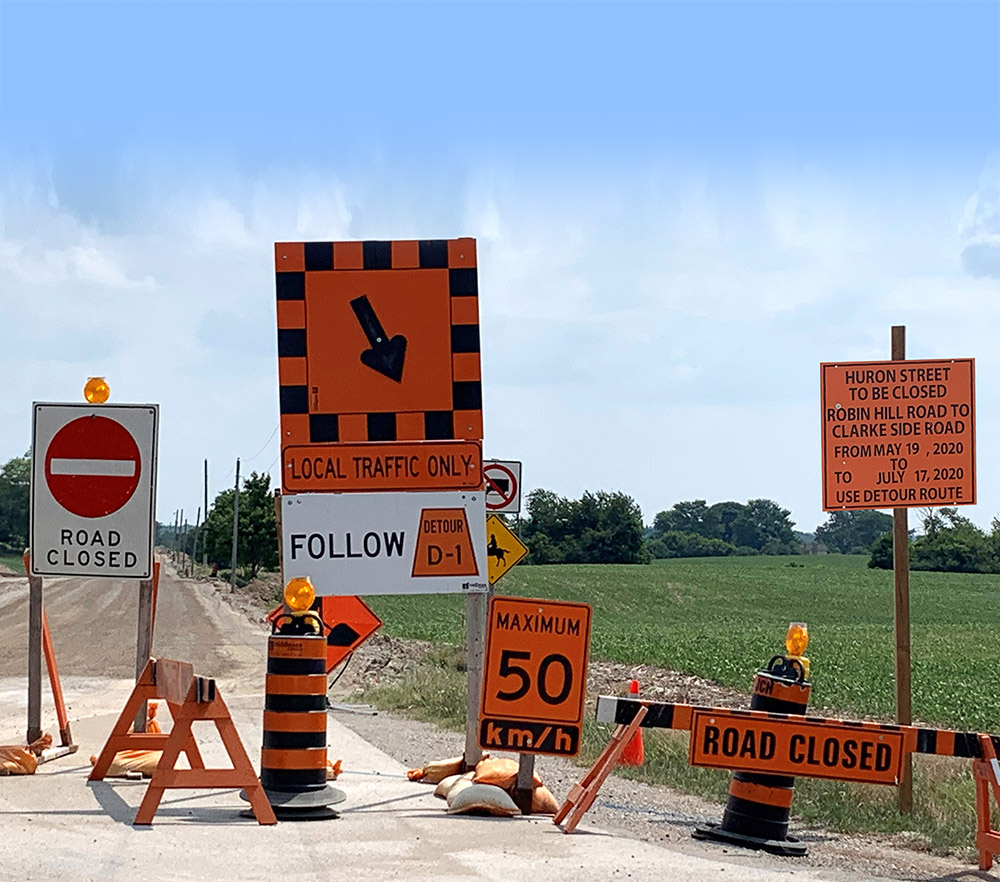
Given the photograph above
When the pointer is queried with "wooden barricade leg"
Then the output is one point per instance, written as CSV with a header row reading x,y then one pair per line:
x,y
987,774
241,775
581,796
121,739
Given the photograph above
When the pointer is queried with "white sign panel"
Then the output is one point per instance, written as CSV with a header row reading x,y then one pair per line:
x,y
503,486
93,490
386,543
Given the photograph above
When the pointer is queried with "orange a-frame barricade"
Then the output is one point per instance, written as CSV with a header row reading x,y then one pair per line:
x,y
581,796
189,698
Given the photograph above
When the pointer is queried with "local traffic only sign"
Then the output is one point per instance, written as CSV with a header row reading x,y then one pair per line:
x,y
536,675
367,468
386,543
93,490
898,434
503,486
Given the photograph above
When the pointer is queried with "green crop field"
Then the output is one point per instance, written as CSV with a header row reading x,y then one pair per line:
x,y
723,618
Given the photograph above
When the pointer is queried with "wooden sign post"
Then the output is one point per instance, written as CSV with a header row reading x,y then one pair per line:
x,y
901,586
899,434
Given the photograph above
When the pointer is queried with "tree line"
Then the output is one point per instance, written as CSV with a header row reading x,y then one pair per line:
x,y
600,527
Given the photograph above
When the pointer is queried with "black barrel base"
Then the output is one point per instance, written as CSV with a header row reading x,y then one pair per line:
x,y
306,805
790,847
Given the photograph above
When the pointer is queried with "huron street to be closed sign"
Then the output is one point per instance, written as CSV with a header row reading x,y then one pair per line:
x,y
93,490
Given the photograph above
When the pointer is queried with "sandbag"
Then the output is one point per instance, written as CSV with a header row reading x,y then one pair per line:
x,y
437,770
500,772
543,802
481,799
137,762
446,784
15,760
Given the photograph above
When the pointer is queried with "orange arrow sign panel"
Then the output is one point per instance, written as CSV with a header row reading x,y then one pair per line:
x,y
351,623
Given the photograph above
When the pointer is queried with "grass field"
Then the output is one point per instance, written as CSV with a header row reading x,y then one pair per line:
x,y
14,561
723,618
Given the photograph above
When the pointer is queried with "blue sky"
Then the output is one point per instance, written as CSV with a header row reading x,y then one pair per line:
x,y
681,210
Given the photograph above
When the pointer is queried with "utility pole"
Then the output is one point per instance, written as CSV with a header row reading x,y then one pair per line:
x,y
236,521
204,549
194,548
180,545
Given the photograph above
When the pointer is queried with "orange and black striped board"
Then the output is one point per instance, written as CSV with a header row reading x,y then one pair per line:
x,y
378,342
809,758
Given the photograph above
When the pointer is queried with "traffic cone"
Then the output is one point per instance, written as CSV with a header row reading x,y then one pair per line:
x,y
634,753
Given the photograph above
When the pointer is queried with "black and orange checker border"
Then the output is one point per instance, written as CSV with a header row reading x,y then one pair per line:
x,y
294,261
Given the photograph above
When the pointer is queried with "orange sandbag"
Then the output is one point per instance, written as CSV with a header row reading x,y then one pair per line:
x,y
17,760
137,762
543,802
500,772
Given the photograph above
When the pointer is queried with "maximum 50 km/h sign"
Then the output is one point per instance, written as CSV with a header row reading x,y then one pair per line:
x,y
535,677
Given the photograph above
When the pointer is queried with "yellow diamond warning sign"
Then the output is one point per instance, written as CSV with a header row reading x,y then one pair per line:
x,y
444,544
503,548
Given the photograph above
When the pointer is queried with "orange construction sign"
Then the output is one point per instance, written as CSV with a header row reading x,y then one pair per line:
x,y
429,465
898,434
535,677
731,740
378,341
444,544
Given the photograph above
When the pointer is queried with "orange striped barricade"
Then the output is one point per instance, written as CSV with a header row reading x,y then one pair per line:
x,y
293,757
189,698
986,771
794,745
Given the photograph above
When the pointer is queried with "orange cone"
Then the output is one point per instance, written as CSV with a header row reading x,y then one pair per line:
x,y
634,753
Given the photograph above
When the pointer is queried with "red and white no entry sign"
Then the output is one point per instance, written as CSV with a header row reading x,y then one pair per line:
x,y
93,490
92,466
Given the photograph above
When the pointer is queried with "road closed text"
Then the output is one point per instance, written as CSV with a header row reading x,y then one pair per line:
x,y
776,747
85,548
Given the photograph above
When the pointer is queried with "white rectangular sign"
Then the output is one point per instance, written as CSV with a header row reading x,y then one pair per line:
x,y
93,490
503,486
386,543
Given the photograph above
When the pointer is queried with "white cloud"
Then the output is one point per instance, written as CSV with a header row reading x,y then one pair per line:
x,y
980,227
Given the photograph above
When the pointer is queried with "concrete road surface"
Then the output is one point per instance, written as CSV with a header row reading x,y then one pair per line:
x,y
55,825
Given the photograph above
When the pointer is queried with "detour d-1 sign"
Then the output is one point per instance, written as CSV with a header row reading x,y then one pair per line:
x,y
93,490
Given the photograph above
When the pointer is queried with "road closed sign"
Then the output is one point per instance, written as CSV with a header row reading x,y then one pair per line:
x,y
386,543
536,675
93,490
898,434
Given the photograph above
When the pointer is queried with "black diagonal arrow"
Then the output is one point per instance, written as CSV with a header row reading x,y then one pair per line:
x,y
386,354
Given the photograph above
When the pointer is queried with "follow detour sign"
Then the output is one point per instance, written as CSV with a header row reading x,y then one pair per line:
x,y
898,434
386,543
93,490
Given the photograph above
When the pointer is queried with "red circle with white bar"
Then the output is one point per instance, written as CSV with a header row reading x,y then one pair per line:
x,y
92,466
